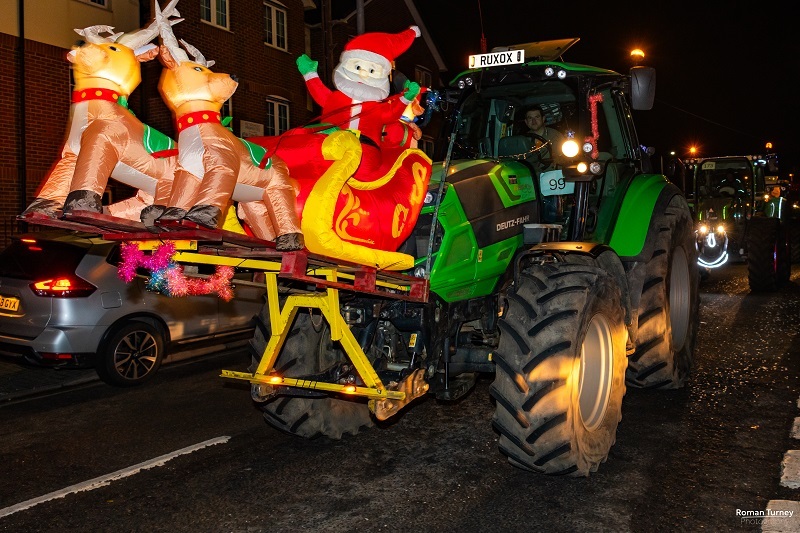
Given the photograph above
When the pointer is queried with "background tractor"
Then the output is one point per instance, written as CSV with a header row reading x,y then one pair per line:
x,y
738,217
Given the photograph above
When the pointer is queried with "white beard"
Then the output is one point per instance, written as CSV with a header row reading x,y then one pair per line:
x,y
363,91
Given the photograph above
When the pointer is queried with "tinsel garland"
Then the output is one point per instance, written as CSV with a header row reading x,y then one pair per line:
x,y
167,277
593,101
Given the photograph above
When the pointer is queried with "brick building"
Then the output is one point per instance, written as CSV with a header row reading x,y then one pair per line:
x,y
257,40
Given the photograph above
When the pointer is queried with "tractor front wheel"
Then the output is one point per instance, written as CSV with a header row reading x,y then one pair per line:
x,y
668,311
560,375
308,352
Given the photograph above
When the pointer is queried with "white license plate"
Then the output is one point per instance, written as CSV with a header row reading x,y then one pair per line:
x,y
552,183
9,303
497,59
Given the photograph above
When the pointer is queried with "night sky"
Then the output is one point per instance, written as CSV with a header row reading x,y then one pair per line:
x,y
727,72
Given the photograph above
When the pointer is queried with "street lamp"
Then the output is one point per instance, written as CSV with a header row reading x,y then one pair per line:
x,y
637,54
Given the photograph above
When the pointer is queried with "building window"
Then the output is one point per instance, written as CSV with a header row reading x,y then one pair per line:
x,y
277,116
215,12
423,76
227,108
100,3
426,145
275,25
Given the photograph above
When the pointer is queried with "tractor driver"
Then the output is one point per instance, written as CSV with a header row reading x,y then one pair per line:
x,y
535,121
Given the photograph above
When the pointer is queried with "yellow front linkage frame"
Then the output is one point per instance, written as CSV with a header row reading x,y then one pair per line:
x,y
384,400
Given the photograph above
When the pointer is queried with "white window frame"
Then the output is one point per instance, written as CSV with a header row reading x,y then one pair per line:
x,y
272,34
214,16
105,4
272,121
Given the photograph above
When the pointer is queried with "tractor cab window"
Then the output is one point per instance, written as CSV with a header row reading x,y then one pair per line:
x,y
492,121
723,179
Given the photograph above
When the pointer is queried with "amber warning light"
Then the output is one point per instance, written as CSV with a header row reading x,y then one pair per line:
x,y
496,59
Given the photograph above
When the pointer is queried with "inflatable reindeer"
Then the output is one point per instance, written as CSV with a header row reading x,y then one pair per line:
x,y
104,138
214,166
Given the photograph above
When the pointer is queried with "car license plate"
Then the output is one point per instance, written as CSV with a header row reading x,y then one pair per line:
x,y
9,303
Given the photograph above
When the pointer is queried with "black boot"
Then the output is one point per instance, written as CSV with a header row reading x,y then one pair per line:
x,y
289,242
171,214
83,201
41,206
149,215
205,215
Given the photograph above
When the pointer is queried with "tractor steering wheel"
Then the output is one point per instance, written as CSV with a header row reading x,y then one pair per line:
x,y
540,143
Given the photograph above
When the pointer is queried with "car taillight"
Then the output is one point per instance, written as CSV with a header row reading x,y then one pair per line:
x,y
64,287
56,356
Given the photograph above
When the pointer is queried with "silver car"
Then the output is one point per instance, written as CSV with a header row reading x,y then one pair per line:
x,y
62,303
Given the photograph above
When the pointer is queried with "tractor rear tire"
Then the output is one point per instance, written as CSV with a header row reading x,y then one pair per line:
x,y
308,351
668,311
794,240
768,255
560,369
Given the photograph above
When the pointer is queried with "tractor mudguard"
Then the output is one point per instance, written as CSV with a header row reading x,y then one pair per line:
x,y
646,195
602,254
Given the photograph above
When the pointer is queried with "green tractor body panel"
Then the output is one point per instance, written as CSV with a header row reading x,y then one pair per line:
x,y
630,227
481,215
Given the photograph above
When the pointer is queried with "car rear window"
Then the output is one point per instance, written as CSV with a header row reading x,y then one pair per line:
x,y
40,259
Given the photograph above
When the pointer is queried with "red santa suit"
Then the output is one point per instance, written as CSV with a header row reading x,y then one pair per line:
x,y
347,113
345,108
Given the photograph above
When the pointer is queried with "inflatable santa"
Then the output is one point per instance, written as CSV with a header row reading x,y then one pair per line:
x,y
361,102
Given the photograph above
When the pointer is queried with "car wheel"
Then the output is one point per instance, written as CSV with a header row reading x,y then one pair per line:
x,y
131,354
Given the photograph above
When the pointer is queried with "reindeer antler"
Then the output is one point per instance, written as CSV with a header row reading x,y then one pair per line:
x,y
92,34
198,57
169,40
145,35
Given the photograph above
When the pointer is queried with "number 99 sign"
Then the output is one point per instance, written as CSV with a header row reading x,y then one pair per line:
x,y
552,183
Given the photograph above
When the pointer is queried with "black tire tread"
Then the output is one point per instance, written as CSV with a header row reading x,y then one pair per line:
x,y
306,352
534,415
656,363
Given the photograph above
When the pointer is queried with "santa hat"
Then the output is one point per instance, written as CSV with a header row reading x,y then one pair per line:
x,y
381,48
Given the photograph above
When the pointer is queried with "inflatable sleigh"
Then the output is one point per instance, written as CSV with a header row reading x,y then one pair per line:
x,y
357,202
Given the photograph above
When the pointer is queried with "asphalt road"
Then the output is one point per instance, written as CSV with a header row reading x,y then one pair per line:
x,y
189,452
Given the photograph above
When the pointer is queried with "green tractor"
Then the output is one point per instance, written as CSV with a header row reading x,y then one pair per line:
x,y
567,272
742,213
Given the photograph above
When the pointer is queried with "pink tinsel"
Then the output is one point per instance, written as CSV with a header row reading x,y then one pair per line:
x,y
133,258
162,267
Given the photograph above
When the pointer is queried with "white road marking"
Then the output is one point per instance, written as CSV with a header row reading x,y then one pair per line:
x,y
102,481
790,477
775,523
790,469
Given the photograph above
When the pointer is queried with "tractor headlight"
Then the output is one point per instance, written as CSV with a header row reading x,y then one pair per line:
x,y
703,229
720,229
570,148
